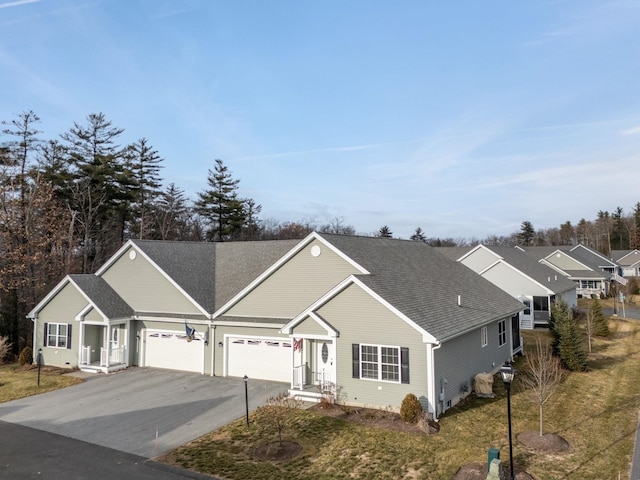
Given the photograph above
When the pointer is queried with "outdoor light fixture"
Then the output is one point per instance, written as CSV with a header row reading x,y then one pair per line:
x,y
39,364
220,344
246,397
508,372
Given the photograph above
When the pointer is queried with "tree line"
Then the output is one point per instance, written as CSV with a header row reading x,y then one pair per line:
x,y
68,203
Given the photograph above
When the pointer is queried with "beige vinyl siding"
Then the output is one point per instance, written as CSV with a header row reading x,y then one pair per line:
x,y
565,262
310,327
295,285
144,288
93,316
222,330
62,308
480,259
513,282
93,337
362,319
460,359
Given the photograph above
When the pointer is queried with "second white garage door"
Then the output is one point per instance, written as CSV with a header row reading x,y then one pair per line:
x,y
166,349
259,357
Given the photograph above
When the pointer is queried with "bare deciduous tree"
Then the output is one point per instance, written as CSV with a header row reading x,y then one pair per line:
x,y
280,410
543,374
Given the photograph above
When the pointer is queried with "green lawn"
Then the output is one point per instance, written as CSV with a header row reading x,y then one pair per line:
x,y
18,382
596,412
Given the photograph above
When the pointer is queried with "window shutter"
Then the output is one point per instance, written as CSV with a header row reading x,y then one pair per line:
x,y
355,360
45,342
404,365
69,336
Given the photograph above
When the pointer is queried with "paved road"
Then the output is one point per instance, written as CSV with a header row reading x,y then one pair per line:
x,y
142,411
27,453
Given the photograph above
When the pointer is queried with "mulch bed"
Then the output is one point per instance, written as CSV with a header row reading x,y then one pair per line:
x,y
546,443
383,419
275,451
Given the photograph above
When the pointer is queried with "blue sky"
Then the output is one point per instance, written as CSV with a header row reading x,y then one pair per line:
x,y
464,118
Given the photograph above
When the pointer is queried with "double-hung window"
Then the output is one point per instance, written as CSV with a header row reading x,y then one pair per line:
x,y
57,335
502,332
381,362
484,337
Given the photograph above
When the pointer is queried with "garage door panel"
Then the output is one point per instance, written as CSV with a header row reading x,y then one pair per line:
x,y
171,350
264,358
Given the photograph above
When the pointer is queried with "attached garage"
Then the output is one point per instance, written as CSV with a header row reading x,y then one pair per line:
x,y
259,357
171,350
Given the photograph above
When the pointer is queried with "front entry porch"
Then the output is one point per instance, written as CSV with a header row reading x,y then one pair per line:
x,y
103,348
313,375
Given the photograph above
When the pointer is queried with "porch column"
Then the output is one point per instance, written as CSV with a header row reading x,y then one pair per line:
x,y
80,341
125,347
107,344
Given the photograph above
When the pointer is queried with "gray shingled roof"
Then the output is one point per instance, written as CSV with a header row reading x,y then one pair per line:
x,y
528,265
102,296
454,253
424,284
240,263
588,259
212,273
189,264
623,260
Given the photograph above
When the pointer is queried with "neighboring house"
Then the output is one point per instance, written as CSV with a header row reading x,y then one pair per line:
x,y
591,272
628,261
521,276
364,319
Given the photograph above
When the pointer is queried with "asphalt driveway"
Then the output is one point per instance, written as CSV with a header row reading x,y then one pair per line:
x,y
142,411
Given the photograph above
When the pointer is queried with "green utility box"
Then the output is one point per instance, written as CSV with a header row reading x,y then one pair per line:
x,y
493,453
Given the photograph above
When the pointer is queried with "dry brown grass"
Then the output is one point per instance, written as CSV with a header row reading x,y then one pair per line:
x,y
18,382
595,411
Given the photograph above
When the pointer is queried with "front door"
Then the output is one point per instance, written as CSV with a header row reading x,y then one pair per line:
x,y
324,363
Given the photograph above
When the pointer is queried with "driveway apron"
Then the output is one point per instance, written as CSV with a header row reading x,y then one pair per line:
x,y
142,411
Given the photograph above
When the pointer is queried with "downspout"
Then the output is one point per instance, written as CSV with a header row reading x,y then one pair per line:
x,y
212,342
34,349
431,348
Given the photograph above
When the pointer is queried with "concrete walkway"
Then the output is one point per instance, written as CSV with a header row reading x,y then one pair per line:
x,y
142,411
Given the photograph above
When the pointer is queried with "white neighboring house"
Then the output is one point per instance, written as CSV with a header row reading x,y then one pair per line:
x,y
628,262
520,275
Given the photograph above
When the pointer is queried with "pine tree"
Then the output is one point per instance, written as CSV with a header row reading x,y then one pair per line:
x,y
418,235
567,343
527,234
600,324
384,232
144,163
220,204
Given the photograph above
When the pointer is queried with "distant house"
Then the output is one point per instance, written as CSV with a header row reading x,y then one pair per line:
x,y
628,261
590,270
365,320
521,276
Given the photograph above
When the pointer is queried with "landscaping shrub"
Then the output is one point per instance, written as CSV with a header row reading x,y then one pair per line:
x,y
567,343
411,409
633,287
26,356
601,326
5,348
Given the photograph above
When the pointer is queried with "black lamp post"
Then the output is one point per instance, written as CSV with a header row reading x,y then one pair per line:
x,y
508,372
246,397
39,364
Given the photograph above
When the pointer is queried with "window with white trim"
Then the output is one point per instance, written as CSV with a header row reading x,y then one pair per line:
x,y
57,335
381,362
502,332
484,337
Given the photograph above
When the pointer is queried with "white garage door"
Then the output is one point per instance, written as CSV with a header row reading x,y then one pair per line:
x,y
171,350
259,357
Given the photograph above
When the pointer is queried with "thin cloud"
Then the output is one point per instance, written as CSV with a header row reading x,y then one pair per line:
x,y
632,131
18,3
